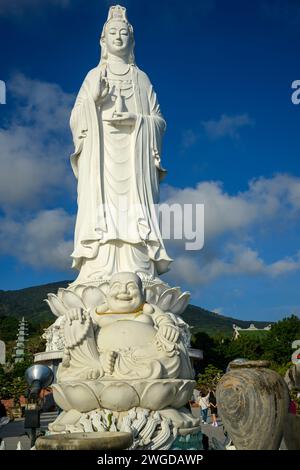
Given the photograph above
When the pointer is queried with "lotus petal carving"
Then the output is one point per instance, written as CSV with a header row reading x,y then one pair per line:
x,y
119,396
77,395
56,305
123,395
70,299
159,395
93,296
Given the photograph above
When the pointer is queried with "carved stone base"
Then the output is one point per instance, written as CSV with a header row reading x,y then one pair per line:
x,y
117,395
149,429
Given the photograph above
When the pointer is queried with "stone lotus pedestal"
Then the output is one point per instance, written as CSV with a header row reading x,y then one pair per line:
x,y
133,374
117,395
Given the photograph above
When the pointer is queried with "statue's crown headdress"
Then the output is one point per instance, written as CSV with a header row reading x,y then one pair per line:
x,y
117,13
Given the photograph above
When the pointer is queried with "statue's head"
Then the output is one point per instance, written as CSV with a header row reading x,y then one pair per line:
x,y
117,35
125,293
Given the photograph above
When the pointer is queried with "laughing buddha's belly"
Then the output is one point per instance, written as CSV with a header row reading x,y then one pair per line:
x,y
123,334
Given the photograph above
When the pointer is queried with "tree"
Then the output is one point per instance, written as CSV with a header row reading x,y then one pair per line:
x,y
17,387
210,377
212,349
8,328
245,346
19,368
278,343
274,345
12,381
34,344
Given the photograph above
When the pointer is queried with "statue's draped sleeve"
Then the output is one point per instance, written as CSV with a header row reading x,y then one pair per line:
x,y
85,162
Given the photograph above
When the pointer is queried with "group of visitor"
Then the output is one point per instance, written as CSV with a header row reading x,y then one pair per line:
x,y
206,399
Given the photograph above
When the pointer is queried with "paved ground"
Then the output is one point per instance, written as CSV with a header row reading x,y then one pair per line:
x,y
14,431
212,433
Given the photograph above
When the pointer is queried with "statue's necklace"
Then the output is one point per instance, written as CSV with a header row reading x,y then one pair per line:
x,y
136,312
115,73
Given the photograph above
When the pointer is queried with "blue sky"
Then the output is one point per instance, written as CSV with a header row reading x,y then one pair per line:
x,y
223,71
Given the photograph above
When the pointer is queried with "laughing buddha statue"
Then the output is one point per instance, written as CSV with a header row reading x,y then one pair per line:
x,y
124,338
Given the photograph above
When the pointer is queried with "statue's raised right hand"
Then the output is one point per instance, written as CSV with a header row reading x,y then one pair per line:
x,y
102,88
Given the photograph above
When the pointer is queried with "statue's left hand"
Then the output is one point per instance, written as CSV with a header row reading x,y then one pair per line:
x,y
166,338
123,119
170,333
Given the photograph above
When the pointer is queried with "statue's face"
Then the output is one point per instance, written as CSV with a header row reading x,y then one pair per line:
x,y
117,38
124,293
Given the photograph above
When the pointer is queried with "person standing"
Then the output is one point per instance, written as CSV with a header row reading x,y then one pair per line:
x,y
204,403
293,407
213,408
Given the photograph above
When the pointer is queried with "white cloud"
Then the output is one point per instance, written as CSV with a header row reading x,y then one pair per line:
x,y
239,260
280,192
35,173
231,225
226,126
35,146
285,265
265,200
44,240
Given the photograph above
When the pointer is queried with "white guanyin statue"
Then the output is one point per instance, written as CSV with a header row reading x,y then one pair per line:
x,y
117,130
125,344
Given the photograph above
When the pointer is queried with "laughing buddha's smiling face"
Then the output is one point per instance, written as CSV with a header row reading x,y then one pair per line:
x,y
125,293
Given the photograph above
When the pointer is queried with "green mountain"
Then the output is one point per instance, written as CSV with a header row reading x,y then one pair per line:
x,y
212,323
30,303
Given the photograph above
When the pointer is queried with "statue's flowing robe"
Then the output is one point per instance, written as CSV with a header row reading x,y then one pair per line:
x,y
92,229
